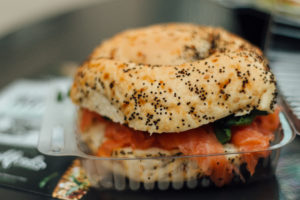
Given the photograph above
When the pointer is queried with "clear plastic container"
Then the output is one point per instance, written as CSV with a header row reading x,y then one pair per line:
x,y
159,171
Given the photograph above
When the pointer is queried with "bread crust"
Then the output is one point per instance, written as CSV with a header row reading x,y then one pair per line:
x,y
212,75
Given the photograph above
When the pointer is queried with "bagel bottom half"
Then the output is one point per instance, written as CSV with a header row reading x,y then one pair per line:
x,y
143,165
149,170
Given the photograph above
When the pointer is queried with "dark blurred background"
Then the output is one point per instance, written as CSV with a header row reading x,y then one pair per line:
x,y
48,40
46,37
43,47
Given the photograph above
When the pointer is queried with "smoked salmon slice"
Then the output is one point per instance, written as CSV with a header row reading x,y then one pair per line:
x,y
200,141
256,137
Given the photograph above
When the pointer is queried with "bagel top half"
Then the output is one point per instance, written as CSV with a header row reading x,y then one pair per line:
x,y
174,77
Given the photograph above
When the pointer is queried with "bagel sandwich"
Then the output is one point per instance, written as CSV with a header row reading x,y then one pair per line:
x,y
177,89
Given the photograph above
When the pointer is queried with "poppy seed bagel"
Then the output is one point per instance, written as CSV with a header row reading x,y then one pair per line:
x,y
174,77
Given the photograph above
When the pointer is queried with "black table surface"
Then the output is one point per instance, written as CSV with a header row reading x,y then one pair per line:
x,y
40,49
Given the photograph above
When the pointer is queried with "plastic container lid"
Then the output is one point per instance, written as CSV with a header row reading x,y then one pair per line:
x,y
58,138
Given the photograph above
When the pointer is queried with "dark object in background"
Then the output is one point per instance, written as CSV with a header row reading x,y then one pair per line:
x,y
42,48
254,26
